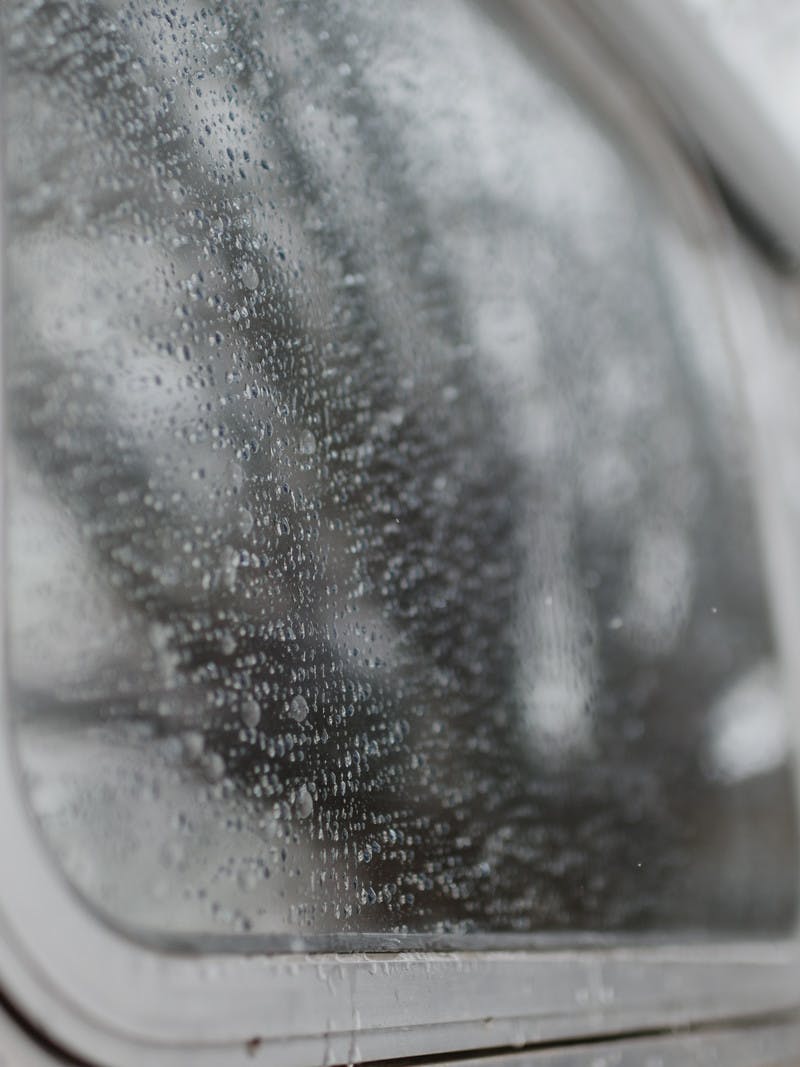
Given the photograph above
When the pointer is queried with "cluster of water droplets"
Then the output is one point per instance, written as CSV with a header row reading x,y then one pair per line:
x,y
364,528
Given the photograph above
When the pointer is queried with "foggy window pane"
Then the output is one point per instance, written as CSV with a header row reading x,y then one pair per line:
x,y
381,552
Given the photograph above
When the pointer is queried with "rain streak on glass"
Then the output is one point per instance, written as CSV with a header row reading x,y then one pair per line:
x,y
381,559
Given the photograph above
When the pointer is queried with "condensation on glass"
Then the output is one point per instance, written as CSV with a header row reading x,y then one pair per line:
x,y
381,555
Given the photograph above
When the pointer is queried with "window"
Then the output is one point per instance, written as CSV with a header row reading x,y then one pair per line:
x,y
385,567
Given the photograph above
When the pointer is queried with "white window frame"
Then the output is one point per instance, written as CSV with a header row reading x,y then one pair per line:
x,y
97,992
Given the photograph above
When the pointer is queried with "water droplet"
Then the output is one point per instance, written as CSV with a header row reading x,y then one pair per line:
x,y
308,443
304,802
250,712
298,709
249,276
230,565
193,744
213,766
246,521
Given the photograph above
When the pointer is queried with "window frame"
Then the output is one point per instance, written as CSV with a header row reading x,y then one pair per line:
x,y
99,993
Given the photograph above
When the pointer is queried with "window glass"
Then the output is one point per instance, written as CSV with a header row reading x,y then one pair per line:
x,y
381,553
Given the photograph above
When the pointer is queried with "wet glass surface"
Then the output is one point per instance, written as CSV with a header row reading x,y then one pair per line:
x,y
381,552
